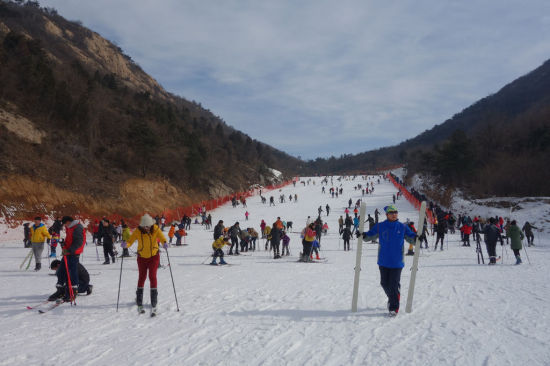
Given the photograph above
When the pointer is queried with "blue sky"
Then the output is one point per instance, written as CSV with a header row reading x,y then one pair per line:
x,y
322,78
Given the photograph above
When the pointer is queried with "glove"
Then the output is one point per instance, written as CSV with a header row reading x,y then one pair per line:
x,y
123,245
357,234
64,252
165,245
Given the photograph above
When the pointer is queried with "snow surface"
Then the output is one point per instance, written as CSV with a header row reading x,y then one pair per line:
x,y
262,311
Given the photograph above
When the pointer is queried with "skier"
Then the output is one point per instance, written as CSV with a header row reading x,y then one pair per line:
x,y
440,229
516,236
218,245
171,232
276,234
148,236
286,242
125,236
349,203
38,234
55,232
246,215
75,239
340,224
262,227
218,230
391,234
84,286
308,236
466,230
346,235
107,235
234,234
253,238
327,207
245,238
492,234
528,230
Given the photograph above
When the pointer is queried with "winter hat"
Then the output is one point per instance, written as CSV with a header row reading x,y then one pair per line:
x,y
390,208
55,263
146,221
66,219
38,218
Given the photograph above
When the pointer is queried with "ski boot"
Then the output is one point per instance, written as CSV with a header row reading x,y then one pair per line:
x,y
89,290
222,261
37,267
58,294
53,254
410,252
317,257
154,298
139,300
518,260
213,263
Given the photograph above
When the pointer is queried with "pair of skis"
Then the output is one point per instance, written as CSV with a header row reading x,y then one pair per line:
x,y
42,308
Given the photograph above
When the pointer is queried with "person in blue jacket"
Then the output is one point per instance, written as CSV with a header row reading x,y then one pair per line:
x,y
391,235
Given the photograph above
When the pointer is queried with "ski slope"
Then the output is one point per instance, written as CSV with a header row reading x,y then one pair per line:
x,y
261,311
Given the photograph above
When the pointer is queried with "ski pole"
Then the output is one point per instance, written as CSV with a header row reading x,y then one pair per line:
x,y
173,285
30,260
25,259
527,255
119,281
71,292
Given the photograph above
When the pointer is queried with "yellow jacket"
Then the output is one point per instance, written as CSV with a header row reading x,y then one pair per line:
x,y
148,244
39,234
125,234
219,243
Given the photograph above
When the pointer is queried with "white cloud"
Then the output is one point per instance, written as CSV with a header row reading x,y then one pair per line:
x,y
317,78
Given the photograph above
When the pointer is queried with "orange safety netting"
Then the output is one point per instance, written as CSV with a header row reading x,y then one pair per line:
x,y
174,214
412,199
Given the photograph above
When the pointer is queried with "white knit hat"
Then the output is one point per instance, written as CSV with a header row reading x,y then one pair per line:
x,y
146,221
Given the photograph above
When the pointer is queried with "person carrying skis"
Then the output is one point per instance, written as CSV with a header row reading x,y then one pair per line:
x,y
148,236
84,286
218,245
516,236
528,230
492,234
391,235
38,234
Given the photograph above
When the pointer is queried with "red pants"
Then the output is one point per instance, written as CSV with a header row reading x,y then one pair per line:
x,y
151,265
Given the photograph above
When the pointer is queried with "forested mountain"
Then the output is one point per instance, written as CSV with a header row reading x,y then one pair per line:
x,y
82,127
500,145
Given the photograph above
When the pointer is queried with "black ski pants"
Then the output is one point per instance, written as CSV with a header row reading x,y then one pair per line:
x,y
346,244
492,251
276,244
306,248
234,243
108,251
390,280
438,238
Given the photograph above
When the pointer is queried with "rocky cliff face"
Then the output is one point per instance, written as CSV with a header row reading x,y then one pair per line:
x,y
84,129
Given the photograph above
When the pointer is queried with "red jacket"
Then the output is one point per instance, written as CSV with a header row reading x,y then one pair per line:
x,y
75,239
466,229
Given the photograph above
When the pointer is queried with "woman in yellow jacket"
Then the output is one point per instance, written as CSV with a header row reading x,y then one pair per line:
x,y
148,236
39,233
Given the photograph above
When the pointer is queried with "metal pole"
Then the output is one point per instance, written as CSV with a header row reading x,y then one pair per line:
x,y
358,258
414,269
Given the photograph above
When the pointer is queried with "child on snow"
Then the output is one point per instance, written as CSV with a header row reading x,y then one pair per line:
x,y
315,249
286,241
171,232
180,234
218,245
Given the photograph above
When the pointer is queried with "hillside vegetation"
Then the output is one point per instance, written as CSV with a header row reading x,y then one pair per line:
x,y
82,127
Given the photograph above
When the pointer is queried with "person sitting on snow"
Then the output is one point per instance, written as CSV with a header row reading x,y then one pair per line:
x,y
61,285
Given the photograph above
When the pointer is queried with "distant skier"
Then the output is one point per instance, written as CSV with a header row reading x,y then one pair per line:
x,y
492,234
327,207
286,242
528,230
107,236
391,234
38,234
516,236
346,235
27,235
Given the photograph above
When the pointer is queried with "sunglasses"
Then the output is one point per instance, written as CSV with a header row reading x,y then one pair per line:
x,y
392,212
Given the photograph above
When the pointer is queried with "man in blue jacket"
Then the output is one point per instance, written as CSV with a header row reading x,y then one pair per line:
x,y
391,235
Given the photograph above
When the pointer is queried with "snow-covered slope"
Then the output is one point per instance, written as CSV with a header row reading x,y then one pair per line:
x,y
262,311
